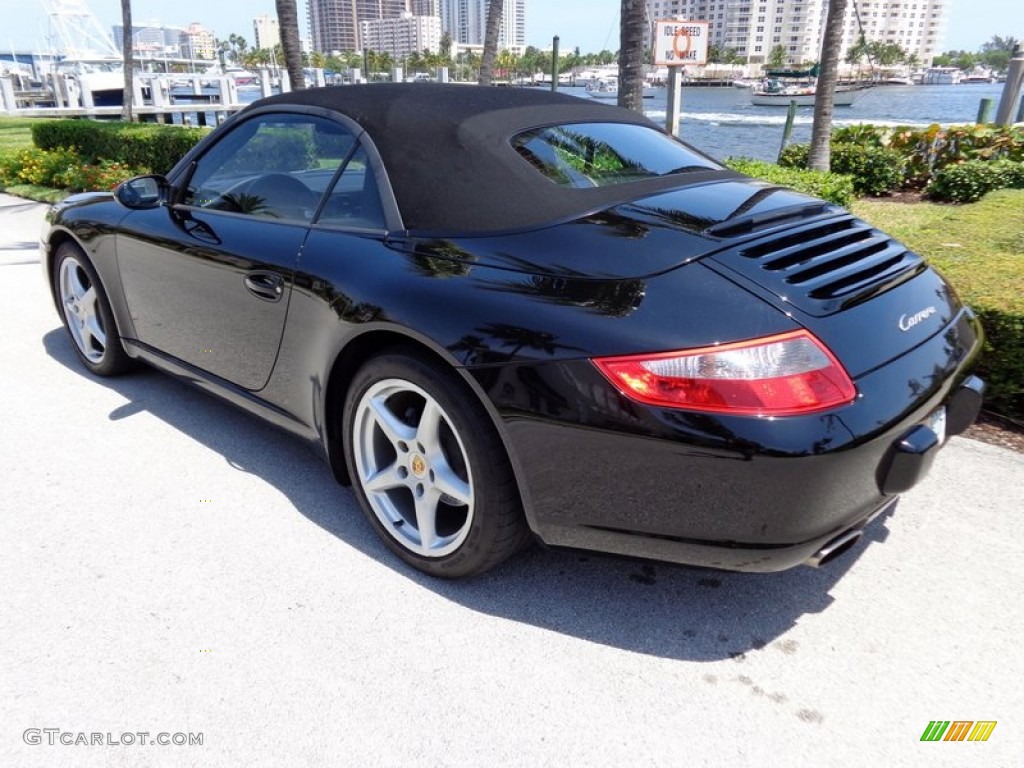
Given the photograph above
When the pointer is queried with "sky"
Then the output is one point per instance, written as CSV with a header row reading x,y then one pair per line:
x,y
591,25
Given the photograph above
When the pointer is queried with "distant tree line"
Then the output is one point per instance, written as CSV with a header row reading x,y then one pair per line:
x,y
995,54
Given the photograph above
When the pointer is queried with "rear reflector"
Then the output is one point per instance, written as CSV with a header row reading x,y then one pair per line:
x,y
787,374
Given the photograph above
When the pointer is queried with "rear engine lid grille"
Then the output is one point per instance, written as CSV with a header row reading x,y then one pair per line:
x,y
826,265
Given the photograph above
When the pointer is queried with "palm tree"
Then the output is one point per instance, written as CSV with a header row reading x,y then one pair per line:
x,y
495,9
820,155
632,20
238,47
777,57
129,62
288,23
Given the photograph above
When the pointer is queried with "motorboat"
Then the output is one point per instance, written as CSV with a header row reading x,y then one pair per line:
x,y
603,88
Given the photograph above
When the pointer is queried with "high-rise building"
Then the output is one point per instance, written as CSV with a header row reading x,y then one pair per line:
x,y
266,32
151,39
197,42
335,24
755,27
425,7
402,36
466,22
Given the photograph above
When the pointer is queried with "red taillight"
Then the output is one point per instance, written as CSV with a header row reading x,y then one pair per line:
x,y
782,375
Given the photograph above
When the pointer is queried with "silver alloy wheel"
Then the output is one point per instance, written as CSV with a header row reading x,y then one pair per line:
x,y
81,310
413,468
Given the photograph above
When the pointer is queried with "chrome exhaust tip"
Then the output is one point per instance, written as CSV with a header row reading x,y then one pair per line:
x,y
834,548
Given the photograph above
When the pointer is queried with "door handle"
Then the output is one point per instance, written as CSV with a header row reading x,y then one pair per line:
x,y
268,286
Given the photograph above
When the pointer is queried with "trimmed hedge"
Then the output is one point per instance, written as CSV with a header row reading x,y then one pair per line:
x,y
157,147
834,187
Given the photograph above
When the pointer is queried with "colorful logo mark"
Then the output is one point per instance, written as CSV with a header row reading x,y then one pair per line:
x,y
958,730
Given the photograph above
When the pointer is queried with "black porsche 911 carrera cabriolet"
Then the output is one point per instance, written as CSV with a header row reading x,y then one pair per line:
x,y
505,314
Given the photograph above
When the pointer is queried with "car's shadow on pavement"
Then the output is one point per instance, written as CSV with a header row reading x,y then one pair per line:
x,y
652,608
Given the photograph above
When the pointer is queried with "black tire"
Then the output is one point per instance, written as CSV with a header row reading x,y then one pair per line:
x,y
99,349
478,517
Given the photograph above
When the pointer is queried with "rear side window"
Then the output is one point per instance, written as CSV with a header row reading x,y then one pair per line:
x,y
600,154
354,201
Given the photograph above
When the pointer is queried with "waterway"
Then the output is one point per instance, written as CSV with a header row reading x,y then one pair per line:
x,y
723,123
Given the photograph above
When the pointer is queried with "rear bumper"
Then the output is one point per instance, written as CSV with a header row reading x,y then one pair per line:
x,y
768,559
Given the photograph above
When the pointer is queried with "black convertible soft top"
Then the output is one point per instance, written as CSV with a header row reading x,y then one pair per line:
x,y
448,153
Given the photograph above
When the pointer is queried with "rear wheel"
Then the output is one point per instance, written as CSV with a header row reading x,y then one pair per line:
x,y
430,473
86,313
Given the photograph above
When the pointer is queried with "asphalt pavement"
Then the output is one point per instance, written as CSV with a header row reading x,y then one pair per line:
x,y
171,566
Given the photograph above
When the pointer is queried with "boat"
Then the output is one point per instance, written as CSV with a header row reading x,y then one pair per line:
x,y
780,87
979,74
941,76
804,96
896,80
92,80
603,88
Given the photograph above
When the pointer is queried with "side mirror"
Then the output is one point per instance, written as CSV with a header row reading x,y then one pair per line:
x,y
143,192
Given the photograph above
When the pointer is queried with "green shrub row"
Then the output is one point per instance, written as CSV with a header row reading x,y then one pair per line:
x,y
927,150
875,170
834,187
157,147
1002,361
887,159
970,180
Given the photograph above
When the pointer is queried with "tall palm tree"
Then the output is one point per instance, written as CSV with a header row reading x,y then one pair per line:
x,y
820,156
495,9
288,23
632,21
129,62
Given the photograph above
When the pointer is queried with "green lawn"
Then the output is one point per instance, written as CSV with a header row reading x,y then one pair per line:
x,y
979,247
15,132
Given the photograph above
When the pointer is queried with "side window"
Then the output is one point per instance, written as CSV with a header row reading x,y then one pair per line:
x,y
354,200
271,166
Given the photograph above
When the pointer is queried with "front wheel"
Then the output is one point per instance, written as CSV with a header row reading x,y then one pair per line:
x,y
431,474
85,310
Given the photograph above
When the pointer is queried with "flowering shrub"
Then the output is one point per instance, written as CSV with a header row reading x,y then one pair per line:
x,y
104,175
62,168
36,166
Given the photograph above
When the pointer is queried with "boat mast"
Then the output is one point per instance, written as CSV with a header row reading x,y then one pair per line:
x,y
80,33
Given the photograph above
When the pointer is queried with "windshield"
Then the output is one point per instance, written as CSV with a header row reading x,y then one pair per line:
x,y
601,154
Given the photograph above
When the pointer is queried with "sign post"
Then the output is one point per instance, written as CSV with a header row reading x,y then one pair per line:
x,y
674,102
678,42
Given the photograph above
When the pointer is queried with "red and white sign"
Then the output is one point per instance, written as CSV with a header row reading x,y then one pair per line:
x,y
678,42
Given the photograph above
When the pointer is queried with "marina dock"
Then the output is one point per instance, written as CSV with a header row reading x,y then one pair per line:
x,y
190,99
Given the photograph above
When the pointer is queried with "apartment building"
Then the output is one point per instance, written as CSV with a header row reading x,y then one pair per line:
x,y
402,36
266,32
466,22
335,25
755,27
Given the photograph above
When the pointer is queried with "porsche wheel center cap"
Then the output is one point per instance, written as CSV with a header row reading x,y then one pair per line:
x,y
418,465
